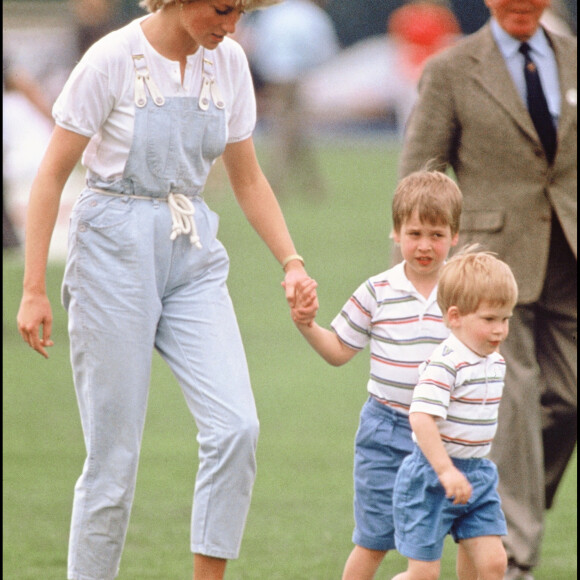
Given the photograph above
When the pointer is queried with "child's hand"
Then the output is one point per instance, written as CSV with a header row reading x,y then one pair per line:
x,y
306,302
456,485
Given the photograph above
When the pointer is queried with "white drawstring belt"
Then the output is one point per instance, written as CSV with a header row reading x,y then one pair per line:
x,y
181,208
182,221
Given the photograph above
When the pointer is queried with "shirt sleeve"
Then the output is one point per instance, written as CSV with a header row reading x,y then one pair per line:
x,y
242,121
88,95
353,323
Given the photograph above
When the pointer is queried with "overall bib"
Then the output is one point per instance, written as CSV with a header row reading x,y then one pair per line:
x,y
131,285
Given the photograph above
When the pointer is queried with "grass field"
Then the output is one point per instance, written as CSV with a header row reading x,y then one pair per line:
x,y
300,523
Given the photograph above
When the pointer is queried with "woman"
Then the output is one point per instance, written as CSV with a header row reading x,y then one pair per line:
x,y
150,107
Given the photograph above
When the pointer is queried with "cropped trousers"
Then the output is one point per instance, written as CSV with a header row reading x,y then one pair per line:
x,y
128,290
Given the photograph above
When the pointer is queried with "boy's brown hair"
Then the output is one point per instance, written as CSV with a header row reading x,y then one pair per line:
x,y
435,196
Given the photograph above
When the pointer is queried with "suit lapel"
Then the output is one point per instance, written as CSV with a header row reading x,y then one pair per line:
x,y
568,88
491,73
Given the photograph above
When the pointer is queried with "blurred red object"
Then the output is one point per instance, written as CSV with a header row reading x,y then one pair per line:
x,y
422,29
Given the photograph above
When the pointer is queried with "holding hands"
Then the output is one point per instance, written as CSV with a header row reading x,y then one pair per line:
x,y
303,309
302,299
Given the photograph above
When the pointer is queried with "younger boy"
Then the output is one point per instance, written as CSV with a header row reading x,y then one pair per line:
x,y
396,313
447,485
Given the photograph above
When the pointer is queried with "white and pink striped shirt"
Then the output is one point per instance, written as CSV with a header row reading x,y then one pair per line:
x,y
402,328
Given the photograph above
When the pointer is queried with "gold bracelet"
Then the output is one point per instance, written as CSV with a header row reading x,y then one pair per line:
x,y
289,259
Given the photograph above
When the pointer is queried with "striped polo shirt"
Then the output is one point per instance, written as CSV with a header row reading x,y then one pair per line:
x,y
402,328
463,390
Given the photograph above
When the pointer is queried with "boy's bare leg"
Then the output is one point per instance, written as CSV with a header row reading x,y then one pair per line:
x,y
465,567
418,570
488,557
362,564
208,568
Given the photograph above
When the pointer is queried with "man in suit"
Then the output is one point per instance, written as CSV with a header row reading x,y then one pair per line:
x,y
520,202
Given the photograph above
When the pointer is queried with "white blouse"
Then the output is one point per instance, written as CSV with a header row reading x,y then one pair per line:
x,y
98,101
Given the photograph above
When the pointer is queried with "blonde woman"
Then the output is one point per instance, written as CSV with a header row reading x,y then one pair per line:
x,y
149,108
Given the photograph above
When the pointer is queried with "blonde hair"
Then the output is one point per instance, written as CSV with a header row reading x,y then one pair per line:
x,y
247,5
473,276
435,196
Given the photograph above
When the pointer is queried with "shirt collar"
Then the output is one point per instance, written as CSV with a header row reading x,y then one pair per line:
x,y
397,278
509,46
399,281
467,354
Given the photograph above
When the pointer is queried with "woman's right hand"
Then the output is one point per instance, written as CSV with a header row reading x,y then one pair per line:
x,y
34,317
34,321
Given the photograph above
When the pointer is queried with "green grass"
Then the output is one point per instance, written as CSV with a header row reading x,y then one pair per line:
x,y
300,523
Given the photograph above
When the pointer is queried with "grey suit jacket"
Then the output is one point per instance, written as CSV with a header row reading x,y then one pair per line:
x,y
470,116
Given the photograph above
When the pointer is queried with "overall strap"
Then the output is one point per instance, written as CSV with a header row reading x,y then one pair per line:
x,y
142,79
209,86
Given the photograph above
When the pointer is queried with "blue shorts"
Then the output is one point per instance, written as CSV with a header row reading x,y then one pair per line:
x,y
383,440
424,516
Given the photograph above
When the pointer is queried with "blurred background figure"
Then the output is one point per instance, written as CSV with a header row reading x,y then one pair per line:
x,y
292,39
358,20
93,19
18,83
374,80
368,18
41,44
418,30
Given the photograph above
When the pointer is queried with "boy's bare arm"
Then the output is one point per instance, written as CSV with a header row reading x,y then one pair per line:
x,y
326,343
429,441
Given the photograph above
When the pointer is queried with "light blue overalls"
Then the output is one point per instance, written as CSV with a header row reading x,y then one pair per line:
x,y
129,288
